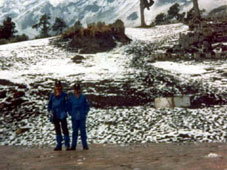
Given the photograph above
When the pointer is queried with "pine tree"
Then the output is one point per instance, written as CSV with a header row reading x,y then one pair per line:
x,y
174,10
78,25
59,25
43,25
160,18
7,30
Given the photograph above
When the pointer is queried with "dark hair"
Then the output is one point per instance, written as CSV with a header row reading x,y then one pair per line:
x,y
76,86
58,83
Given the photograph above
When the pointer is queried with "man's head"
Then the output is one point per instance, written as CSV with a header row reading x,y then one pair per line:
x,y
76,88
57,87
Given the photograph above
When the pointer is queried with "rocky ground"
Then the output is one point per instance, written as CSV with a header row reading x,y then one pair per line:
x,y
121,86
111,157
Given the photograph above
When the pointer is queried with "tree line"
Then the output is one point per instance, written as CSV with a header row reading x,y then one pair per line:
x,y
8,28
44,26
172,14
8,32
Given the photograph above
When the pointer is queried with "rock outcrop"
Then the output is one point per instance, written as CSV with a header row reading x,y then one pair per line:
x,y
206,39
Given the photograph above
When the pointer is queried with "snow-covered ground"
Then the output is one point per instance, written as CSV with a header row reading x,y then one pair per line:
x,y
37,59
109,77
157,33
209,71
130,125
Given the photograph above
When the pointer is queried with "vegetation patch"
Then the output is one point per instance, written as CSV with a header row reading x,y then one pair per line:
x,y
8,31
95,38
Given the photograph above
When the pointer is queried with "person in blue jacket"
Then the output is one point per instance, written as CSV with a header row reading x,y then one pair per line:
x,y
78,109
57,107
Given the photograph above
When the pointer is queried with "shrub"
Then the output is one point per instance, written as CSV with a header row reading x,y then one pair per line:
x,y
174,11
19,38
3,41
101,24
160,18
96,37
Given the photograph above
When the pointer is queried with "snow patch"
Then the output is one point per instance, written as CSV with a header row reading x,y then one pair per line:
x,y
181,67
57,2
213,155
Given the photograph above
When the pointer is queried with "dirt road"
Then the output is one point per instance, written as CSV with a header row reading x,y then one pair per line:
x,y
115,157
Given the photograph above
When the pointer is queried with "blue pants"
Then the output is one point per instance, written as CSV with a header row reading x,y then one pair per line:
x,y
79,125
58,124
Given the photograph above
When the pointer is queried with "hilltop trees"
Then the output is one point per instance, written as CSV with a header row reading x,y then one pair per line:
x,y
59,25
43,25
171,16
144,4
8,29
173,11
78,25
160,18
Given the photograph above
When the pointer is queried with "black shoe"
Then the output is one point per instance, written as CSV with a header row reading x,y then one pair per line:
x,y
85,148
68,149
72,149
57,149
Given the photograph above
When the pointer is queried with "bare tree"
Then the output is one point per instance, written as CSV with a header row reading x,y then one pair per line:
x,y
144,4
196,8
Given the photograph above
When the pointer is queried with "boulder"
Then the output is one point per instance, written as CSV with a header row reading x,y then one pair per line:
x,y
164,102
182,101
78,59
21,130
171,102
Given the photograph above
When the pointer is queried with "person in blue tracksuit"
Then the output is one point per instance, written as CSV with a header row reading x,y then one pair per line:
x,y
57,107
78,108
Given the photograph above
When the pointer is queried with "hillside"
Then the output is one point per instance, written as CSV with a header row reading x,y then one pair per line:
x,y
121,87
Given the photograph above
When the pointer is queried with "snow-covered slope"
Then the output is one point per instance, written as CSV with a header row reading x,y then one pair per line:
x,y
122,109
27,13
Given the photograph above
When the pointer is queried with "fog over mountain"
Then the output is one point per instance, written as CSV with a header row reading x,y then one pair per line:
x,y
26,13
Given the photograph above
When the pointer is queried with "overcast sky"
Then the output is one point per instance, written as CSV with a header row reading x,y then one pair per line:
x,y
1,2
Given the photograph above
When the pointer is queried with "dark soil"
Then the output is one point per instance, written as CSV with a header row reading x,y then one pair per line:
x,y
112,157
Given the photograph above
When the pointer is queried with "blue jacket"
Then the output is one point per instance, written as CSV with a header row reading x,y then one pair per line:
x,y
58,105
78,108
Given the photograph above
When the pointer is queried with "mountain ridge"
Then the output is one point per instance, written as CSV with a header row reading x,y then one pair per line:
x,y
25,14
